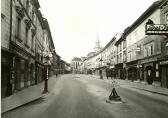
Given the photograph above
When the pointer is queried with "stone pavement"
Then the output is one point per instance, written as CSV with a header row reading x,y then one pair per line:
x,y
27,95
141,85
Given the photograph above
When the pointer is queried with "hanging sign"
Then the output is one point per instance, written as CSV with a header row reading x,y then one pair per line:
x,y
156,29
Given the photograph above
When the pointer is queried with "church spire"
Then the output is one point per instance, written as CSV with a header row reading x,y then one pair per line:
x,y
97,43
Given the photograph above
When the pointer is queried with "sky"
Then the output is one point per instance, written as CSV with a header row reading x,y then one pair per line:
x,y
74,24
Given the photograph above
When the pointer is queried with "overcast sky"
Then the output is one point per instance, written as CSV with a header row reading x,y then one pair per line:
x,y
74,23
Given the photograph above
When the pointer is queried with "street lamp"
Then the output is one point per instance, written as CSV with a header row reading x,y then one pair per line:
x,y
46,56
101,76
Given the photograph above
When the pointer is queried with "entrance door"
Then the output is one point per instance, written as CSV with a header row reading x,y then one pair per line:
x,y
5,76
166,76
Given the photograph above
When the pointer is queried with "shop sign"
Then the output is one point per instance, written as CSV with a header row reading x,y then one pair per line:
x,y
111,66
164,62
156,29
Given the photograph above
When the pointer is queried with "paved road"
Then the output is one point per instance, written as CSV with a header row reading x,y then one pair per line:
x,y
76,96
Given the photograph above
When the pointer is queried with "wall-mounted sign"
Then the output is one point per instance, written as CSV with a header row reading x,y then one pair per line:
x,y
164,62
156,29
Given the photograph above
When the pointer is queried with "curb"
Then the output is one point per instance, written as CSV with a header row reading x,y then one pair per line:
x,y
132,86
28,96
22,105
150,91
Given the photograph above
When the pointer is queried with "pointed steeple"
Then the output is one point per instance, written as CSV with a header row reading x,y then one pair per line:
x,y
97,47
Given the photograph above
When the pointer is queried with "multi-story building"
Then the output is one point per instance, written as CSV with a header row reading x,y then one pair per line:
x,y
164,47
121,55
25,36
22,44
138,54
6,55
144,50
56,62
40,38
101,60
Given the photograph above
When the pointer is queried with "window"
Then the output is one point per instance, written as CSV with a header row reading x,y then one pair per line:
x,y
27,31
148,50
151,49
33,16
32,42
124,44
129,40
145,51
18,27
117,59
167,48
27,6
124,56
120,46
166,18
120,57
130,56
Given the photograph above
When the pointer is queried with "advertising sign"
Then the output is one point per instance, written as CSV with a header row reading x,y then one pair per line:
x,y
156,29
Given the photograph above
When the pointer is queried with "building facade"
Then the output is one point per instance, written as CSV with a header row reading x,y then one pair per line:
x,y
25,36
121,56
163,65
75,64
137,55
6,55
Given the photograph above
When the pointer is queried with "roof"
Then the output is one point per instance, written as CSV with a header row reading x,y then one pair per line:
x,y
76,59
146,14
90,54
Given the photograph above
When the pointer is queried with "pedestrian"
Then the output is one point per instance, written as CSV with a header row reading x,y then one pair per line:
x,y
56,74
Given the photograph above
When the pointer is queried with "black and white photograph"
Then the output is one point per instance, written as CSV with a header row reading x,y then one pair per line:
x,y
84,59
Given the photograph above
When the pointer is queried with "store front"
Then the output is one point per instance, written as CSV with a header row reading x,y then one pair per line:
x,y
132,70
164,73
132,73
120,71
39,73
6,69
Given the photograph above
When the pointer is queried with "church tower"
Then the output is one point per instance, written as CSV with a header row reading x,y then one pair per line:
x,y
97,47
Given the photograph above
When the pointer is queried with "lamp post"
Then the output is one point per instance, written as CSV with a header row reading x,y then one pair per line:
x,y
47,64
101,76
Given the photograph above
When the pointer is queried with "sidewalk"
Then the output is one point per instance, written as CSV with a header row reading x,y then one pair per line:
x,y
25,96
137,85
